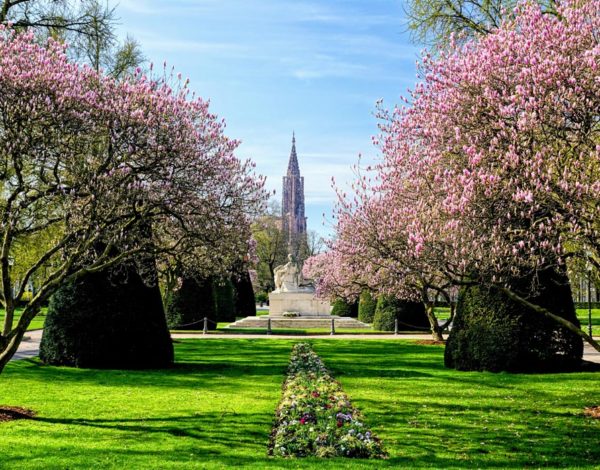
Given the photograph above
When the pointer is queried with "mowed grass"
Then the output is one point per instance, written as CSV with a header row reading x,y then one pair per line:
x,y
214,409
583,315
36,323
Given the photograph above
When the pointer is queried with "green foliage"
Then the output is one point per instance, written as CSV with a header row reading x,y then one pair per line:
x,y
189,304
224,300
262,297
245,303
492,332
271,248
411,315
107,320
343,308
366,307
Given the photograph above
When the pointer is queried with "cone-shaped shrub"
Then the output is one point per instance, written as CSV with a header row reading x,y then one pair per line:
x,y
411,315
245,303
343,308
492,332
107,320
224,300
366,307
188,305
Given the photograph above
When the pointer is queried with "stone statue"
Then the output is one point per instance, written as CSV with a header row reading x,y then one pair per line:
x,y
288,277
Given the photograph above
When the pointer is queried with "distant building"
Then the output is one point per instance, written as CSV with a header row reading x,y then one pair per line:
x,y
292,207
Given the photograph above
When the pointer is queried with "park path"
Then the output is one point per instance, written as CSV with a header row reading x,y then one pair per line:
x,y
30,347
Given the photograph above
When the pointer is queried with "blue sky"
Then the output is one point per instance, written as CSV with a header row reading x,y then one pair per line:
x,y
271,67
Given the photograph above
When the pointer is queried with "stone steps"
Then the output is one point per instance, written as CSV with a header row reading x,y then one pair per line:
x,y
323,321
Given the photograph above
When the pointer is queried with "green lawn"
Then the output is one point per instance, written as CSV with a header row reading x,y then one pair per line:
x,y
215,409
36,324
582,314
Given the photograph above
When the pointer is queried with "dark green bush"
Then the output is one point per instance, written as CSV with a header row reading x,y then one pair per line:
x,y
492,332
245,304
366,307
343,308
411,315
188,305
354,309
107,320
224,300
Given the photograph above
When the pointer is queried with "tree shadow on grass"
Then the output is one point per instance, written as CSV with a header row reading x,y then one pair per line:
x,y
196,426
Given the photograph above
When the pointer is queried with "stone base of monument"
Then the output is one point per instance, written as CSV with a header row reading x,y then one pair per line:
x,y
297,310
321,321
303,303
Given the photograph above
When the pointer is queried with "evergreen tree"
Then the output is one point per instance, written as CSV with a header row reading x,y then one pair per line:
x,y
108,319
342,308
366,307
193,301
224,300
492,332
245,303
411,315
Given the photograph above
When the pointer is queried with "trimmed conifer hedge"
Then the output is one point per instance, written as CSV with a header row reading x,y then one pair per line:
x,y
492,332
224,300
189,304
109,319
411,315
342,308
245,303
366,307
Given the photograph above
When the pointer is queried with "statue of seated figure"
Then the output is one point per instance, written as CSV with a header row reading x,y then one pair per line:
x,y
288,277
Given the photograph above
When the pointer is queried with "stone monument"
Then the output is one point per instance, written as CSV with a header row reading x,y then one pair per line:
x,y
293,296
293,304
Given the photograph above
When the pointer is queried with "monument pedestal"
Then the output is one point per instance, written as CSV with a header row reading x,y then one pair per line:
x,y
304,303
294,305
309,311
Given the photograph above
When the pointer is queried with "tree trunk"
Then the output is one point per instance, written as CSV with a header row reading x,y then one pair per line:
x,y
10,347
436,331
9,316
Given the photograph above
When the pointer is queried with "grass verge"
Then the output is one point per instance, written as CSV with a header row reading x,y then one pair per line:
x,y
36,323
215,409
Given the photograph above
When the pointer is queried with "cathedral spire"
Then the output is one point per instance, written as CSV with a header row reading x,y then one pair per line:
x,y
293,167
292,207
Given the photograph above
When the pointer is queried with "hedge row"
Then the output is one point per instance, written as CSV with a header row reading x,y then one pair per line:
x,y
342,308
219,300
315,416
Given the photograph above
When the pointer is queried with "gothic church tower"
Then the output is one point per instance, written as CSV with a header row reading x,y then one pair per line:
x,y
292,210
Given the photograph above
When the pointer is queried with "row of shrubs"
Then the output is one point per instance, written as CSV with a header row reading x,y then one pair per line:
x,y
383,312
219,300
315,416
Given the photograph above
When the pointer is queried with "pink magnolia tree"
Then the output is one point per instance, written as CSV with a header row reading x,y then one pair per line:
x,y
491,170
95,172
371,251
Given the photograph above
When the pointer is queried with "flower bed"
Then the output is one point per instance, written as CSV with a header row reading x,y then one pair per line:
x,y
315,416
